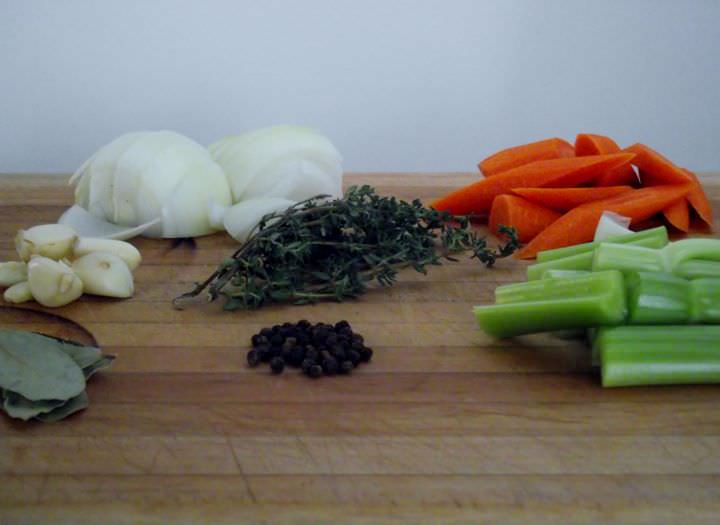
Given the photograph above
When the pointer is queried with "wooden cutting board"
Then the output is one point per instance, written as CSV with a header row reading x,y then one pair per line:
x,y
444,426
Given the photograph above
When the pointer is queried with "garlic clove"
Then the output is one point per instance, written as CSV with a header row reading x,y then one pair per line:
x,y
126,251
18,293
48,240
52,283
12,272
104,273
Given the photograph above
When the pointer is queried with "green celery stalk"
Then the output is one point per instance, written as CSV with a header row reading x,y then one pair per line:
x,y
628,258
694,258
595,299
652,238
582,262
689,258
658,298
558,273
659,355
705,295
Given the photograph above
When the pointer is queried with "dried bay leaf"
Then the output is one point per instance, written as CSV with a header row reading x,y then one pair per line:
x,y
21,408
83,355
34,366
104,362
77,403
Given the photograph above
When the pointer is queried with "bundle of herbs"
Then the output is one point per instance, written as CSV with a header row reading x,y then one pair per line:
x,y
333,249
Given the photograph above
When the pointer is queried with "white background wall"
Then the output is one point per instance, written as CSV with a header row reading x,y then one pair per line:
x,y
398,85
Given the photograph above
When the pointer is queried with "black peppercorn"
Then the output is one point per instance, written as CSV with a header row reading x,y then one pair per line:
x,y
253,358
340,325
330,366
366,354
297,355
266,332
306,364
277,365
315,371
358,338
346,367
354,356
277,339
264,354
258,340
304,324
311,353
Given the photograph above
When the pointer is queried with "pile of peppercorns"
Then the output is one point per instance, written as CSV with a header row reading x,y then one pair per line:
x,y
317,349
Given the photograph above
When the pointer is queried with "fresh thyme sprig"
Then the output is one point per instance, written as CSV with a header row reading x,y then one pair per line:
x,y
333,249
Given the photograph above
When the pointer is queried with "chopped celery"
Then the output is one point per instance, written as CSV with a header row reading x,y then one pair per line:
x,y
558,273
652,238
705,300
659,355
658,298
628,258
582,262
689,258
595,299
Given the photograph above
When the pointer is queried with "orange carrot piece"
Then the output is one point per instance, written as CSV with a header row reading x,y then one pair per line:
x,y
477,198
655,168
699,200
678,214
565,199
526,217
589,144
510,158
578,225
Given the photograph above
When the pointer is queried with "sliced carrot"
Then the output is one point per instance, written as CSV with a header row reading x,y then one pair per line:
x,y
510,158
564,199
477,198
589,144
699,200
678,214
578,225
526,217
656,169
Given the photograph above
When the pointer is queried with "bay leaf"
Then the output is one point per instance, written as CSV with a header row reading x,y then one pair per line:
x,y
104,362
83,355
34,366
19,407
77,403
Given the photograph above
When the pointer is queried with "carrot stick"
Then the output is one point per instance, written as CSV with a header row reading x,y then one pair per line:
x,y
509,158
699,201
589,144
477,198
526,217
655,168
578,225
678,214
564,199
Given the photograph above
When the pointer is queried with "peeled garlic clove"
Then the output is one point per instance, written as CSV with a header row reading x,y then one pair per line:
x,y
49,240
126,251
104,274
12,272
18,293
52,283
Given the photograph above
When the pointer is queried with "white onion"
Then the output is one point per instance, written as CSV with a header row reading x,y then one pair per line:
x,y
241,219
289,162
140,177
612,224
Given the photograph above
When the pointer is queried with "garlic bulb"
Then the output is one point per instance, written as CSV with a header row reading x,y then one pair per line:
x,y
49,240
104,274
52,283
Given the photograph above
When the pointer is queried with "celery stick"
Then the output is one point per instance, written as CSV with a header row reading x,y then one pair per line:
x,y
705,294
658,298
558,273
595,299
628,258
706,251
696,269
582,262
652,238
659,355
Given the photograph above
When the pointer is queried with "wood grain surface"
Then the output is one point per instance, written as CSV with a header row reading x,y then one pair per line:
x,y
445,426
